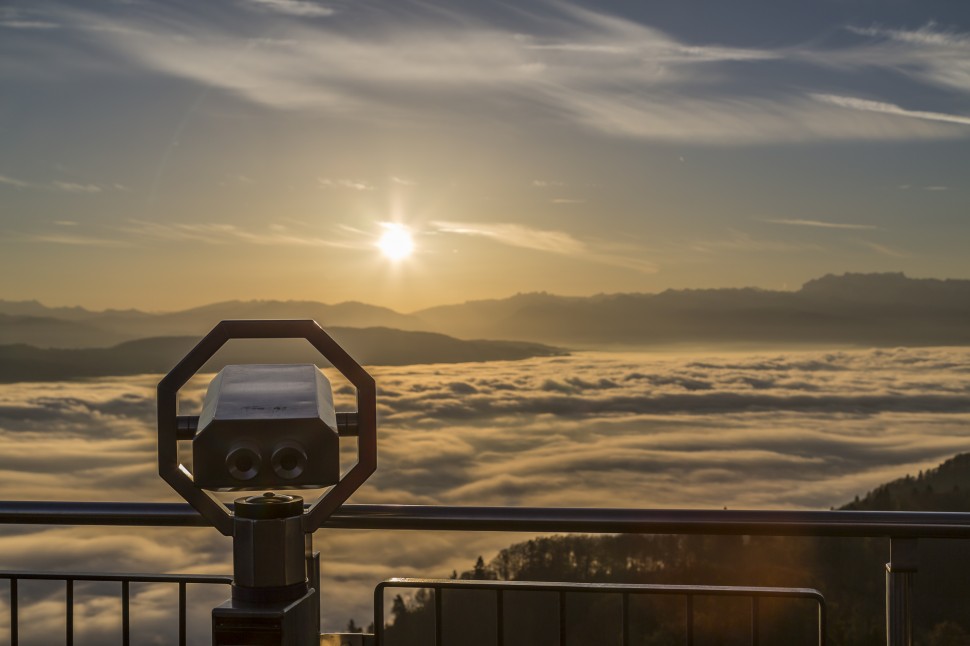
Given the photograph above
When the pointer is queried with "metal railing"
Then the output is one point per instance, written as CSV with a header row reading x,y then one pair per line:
x,y
904,529
726,522
687,592
69,578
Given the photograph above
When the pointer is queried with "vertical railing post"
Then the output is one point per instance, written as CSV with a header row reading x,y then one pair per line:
x,y
500,616
822,628
689,614
183,620
439,637
312,560
626,620
69,618
126,613
755,621
14,613
900,575
562,618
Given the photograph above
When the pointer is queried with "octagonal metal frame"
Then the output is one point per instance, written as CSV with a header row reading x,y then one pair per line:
x,y
206,503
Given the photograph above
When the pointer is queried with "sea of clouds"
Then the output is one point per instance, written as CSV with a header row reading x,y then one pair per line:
x,y
792,429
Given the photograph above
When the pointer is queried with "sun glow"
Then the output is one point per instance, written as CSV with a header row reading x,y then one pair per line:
x,y
396,243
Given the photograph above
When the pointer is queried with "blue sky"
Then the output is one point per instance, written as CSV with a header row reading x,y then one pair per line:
x,y
162,155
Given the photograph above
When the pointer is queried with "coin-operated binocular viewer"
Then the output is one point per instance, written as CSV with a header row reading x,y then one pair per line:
x,y
267,428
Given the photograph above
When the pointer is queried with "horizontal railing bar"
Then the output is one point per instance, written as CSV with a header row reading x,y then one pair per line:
x,y
114,577
900,524
153,514
654,521
603,588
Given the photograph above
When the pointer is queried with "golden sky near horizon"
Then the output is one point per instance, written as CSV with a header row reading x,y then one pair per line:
x,y
166,155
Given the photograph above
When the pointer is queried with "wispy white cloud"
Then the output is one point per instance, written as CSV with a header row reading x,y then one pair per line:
x,y
11,18
880,107
746,120
28,24
12,181
219,233
547,183
929,54
400,181
74,240
606,73
928,34
618,41
885,250
352,184
72,187
303,8
740,241
550,241
58,185
934,188
822,224
518,235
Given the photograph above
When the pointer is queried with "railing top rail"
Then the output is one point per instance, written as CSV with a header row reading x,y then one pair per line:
x,y
900,524
626,588
115,576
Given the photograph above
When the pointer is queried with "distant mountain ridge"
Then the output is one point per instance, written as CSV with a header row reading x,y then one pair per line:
x,y
886,288
369,346
867,309
31,323
861,309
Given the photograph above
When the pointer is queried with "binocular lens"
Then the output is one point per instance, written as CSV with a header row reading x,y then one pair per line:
x,y
243,463
289,461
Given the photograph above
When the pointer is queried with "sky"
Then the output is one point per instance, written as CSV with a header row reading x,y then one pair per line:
x,y
753,430
165,155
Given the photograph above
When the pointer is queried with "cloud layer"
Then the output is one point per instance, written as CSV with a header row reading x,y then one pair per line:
x,y
787,429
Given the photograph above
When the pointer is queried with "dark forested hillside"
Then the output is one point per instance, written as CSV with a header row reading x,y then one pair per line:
x,y
945,488
849,572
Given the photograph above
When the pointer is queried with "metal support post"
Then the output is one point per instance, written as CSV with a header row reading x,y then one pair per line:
x,y
900,576
271,602
313,576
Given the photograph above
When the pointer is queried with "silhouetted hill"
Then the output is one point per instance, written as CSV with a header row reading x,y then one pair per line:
x,y
44,331
852,309
849,572
35,308
369,346
866,309
200,320
945,488
99,329
888,289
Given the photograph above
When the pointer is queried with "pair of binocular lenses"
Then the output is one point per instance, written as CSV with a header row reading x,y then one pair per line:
x,y
288,462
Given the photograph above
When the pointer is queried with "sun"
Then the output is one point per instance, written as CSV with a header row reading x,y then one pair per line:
x,y
396,243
